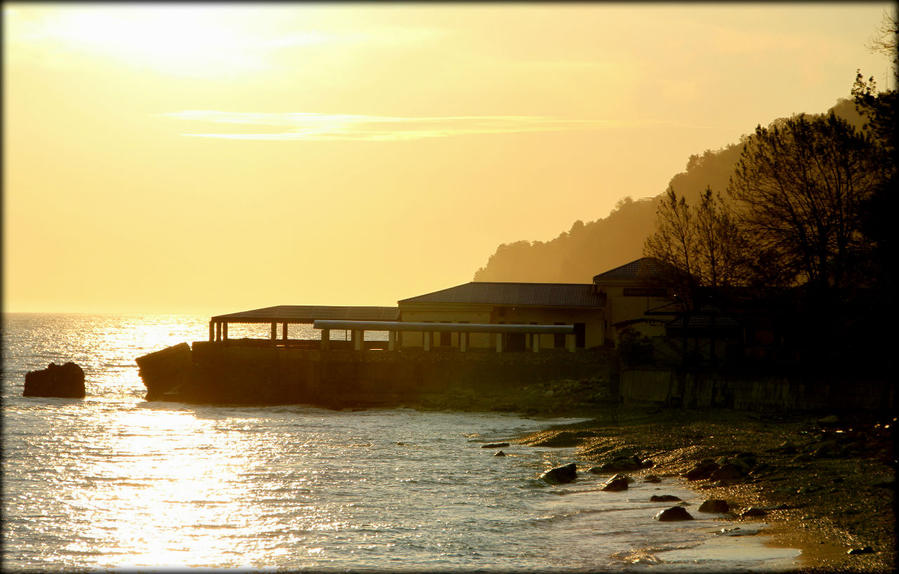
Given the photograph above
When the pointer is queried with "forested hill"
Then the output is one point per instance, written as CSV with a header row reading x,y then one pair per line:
x,y
586,249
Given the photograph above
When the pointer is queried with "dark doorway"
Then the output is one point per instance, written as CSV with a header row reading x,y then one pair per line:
x,y
580,335
515,342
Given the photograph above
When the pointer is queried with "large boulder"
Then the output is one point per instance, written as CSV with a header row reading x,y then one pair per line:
x,y
560,474
55,381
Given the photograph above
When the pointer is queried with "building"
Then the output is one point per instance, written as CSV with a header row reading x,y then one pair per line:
x,y
509,303
504,316
630,294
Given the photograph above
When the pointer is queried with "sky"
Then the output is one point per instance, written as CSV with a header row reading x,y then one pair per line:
x,y
171,158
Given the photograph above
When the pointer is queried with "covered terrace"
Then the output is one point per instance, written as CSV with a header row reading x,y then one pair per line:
x,y
285,315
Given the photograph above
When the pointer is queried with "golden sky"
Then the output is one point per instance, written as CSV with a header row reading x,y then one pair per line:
x,y
218,158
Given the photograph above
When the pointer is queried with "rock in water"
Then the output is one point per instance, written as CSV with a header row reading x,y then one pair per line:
x,y
665,498
615,484
672,514
560,474
55,381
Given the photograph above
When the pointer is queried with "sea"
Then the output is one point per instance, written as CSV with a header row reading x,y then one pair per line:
x,y
112,482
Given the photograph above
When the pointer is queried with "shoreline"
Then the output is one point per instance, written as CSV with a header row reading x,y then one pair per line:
x,y
826,483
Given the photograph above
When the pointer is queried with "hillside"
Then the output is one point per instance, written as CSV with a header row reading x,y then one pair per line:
x,y
586,249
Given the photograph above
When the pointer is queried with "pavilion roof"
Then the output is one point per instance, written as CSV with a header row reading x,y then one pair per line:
x,y
501,293
309,314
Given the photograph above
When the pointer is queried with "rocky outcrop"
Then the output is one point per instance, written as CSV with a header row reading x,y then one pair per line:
x,y
560,474
165,371
56,381
664,498
673,514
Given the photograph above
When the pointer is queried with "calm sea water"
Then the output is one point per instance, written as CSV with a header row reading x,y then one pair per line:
x,y
112,481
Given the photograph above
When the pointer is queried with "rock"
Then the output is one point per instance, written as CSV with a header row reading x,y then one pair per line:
x,y
616,483
673,514
828,449
729,471
55,381
702,470
664,498
753,511
786,447
865,550
495,445
651,478
499,453
619,464
715,505
829,420
169,370
560,474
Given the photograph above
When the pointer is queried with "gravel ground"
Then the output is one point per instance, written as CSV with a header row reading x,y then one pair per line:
x,y
825,483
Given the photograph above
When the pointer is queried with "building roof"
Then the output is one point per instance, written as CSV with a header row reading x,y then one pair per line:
x,y
643,268
309,313
499,293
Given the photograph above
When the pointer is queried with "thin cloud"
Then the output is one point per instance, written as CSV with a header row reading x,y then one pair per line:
x,y
353,127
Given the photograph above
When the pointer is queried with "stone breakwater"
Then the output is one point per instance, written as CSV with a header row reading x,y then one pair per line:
x,y
241,372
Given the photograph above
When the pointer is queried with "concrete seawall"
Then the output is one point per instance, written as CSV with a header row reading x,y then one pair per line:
x,y
235,372
744,392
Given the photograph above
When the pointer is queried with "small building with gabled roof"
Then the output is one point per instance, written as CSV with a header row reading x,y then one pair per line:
x,y
630,293
505,302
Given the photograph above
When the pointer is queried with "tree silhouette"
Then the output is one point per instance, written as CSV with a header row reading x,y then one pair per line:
x,y
798,189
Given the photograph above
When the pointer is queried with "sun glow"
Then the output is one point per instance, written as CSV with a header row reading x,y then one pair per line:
x,y
177,39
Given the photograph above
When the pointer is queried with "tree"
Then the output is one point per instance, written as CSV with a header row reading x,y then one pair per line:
x,y
798,190
699,244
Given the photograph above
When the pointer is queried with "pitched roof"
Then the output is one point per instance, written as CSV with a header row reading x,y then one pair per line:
x,y
642,268
309,313
499,293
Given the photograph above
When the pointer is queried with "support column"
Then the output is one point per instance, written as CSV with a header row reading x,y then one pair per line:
x,y
570,342
326,339
284,332
499,342
535,338
463,342
427,340
218,331
274,331
358,338
224,331
211,331
391,340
